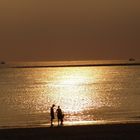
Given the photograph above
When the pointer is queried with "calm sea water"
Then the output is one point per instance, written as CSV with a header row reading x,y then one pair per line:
x,y
87,95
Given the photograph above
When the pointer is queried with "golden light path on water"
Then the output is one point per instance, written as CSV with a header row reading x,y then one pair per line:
x,y
73,95
71,89
83,93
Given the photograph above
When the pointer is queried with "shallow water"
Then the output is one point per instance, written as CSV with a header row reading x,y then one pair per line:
x,y
86,95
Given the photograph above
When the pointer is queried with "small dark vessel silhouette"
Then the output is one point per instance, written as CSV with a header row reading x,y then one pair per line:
x,y
2,62
131,59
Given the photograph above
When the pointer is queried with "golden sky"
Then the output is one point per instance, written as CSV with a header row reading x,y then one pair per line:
x,y
69,29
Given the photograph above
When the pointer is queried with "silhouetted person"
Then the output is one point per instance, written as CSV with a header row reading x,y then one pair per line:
x,y
60,116
52,114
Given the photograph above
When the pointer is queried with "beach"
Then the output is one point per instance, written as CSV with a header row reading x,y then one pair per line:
x,y
85,132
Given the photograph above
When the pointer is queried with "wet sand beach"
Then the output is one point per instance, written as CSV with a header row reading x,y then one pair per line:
x,y
85,132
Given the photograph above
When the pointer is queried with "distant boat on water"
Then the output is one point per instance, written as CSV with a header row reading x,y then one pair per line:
x,y
131,59
2,62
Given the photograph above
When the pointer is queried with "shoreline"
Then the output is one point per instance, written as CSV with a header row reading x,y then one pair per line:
x,y
68,124
127,131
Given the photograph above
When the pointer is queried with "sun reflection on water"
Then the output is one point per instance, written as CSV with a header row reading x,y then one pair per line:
x,y
77,91
70,89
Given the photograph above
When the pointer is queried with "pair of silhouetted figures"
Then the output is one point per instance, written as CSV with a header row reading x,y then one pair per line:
x,y
60,115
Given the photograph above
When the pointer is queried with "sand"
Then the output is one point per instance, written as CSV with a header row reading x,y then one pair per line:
x,y
86,132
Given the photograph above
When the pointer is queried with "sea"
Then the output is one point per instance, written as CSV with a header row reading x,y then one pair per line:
x,y
86,92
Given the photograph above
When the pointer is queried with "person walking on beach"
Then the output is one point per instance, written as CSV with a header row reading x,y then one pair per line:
x,y
52,114
60,116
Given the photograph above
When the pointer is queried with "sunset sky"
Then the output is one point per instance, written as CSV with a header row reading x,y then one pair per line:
x,y
36,30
